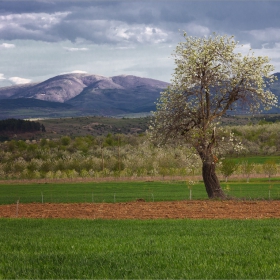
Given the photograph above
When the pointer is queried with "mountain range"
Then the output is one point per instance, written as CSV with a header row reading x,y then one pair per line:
x,y
81,94
77,94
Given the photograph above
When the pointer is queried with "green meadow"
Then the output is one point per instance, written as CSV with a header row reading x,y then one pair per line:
x,y
134,249
130,191
137,249
257,159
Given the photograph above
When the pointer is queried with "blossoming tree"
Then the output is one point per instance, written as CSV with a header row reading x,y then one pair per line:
x,y
210,79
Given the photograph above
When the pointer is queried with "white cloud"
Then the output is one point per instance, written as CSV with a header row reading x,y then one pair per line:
x,y
140,33
18,80
74,71
6,46
197,29
79,71
243,49
123,48
75,49
153,34
116,32
266,35
2,77
270,52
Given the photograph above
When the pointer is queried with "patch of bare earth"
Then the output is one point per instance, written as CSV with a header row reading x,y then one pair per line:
x,y
206,209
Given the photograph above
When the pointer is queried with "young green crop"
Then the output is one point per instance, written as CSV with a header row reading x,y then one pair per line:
x,y
97,192
130,191
155,249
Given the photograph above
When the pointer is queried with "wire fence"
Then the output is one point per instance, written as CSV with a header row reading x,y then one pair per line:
x,y
148,192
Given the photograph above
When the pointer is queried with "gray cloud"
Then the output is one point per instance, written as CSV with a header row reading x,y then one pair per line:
x,y
123,36
117,22
34,26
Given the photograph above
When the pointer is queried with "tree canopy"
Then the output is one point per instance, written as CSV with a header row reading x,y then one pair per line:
x,y
210,79
18,125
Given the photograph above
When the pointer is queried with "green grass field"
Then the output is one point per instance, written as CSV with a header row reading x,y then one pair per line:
x,y
97,192
134,249
155,249
257,159
130,191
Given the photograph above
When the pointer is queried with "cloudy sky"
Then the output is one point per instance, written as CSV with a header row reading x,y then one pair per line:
x,y
44,38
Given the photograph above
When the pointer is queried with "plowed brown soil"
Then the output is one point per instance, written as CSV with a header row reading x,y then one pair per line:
x,y
207,209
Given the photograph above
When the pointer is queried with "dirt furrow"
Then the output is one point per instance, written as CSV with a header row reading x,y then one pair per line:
x,y
147,210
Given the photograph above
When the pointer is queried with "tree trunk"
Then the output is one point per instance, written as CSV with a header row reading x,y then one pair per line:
x,y
211,180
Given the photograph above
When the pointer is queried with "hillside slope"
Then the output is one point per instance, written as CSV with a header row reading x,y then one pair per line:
x,y
88,94
85,94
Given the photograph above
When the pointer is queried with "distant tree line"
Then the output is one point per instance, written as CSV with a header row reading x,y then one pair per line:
x,y
18,125
120,155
